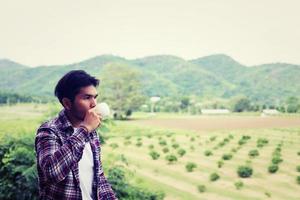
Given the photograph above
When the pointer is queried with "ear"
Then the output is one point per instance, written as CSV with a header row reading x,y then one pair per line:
x,y
67,103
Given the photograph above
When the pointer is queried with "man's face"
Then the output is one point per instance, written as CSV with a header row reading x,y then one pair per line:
x,y
84,100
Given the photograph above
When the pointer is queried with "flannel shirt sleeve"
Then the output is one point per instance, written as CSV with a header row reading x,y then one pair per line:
x,y
106,191
56,160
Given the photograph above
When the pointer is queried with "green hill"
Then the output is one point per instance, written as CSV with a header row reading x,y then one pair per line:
x,y
165,75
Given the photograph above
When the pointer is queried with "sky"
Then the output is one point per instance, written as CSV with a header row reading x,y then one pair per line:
x,y
51,32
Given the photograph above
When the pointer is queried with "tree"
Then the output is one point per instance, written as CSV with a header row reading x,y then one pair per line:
x,y
241,104
121,88
185,102
293,105
18,175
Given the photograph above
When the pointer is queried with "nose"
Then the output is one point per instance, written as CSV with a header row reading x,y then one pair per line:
x,y
93,102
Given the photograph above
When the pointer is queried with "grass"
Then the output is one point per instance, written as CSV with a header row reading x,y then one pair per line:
x,y
175,175
164,115
174,179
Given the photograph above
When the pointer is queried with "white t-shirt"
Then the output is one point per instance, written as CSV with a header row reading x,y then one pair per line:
x,y
86,172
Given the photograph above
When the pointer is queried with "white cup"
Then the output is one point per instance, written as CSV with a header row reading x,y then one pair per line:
x,y
103,109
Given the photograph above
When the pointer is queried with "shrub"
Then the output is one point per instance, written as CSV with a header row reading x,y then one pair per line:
x,y
241,142
208,153
238,185
154,155
261,142
246,137
227,156
276,154
192,139
220,163
190,166
127,137
171,158
201,188
298,179
273,168
214,177
138,144
278,149
192,147
122,188
162,142
234,150
165,150
123,159
127,142
181,152
221,144
276,160
151,146
18,172
244,171
114,145
298,168
268,194
213,138
253,153
298,153
175,145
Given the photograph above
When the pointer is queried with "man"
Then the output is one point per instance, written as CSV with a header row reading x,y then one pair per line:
x,y
68,148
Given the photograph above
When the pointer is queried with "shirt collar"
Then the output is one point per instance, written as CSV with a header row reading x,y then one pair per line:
x,y
63,121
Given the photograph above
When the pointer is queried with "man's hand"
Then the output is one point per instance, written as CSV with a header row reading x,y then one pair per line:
x,y
92,120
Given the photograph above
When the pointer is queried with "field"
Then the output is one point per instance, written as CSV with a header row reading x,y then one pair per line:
x,y
21,119
200,140
131,142
226,122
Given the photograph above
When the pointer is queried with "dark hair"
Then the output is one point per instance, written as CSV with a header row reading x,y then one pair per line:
x,y
70,84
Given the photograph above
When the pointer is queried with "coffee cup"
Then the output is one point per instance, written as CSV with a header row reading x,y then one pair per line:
x,y
102,109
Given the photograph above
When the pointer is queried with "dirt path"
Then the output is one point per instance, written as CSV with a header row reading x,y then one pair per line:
x,y
204,123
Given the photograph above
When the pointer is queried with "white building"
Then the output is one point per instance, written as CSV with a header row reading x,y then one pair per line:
x,y
270,112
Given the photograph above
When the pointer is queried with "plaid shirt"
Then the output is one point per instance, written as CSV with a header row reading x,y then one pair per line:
x,y
59,149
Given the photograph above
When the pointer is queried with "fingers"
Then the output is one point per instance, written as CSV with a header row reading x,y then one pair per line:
x,y
99,119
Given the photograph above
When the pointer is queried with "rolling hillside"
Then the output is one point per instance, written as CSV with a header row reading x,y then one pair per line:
x,y
211,76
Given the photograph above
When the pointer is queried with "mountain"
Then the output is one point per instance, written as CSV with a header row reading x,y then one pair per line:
x,y
185,76
7,66
6,63
221,65
274,81
166,75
